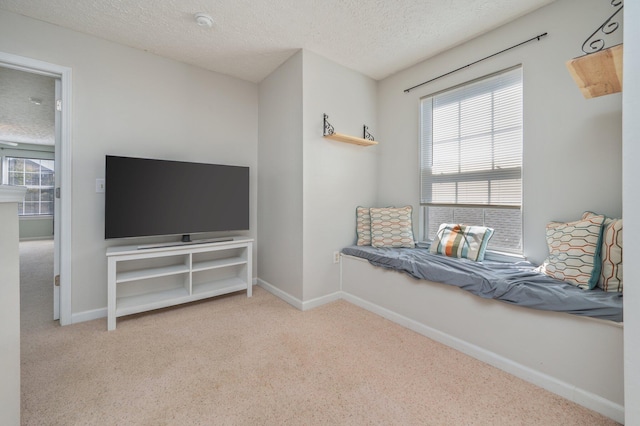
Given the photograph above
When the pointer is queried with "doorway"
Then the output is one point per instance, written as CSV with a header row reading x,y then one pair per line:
x,y
54,199
28,136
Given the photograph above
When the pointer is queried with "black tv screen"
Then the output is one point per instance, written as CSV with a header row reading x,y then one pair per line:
x,y
146,197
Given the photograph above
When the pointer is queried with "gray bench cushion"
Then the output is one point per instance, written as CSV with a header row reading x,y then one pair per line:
x,y
517,283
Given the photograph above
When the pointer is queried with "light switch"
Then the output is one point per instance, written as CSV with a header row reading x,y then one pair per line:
x,y
99,185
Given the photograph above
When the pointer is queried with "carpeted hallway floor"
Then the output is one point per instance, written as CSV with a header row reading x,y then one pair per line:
x,y
235,360
36,285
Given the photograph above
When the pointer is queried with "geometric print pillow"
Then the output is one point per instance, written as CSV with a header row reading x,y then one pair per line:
x,y
574,251
463,241
363,226
391,227
611,254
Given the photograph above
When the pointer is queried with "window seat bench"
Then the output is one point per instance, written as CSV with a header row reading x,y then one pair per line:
x,y
515,282
577,354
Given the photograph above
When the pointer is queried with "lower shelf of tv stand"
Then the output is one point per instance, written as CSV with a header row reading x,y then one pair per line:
x,y
216,288
161,299
234,257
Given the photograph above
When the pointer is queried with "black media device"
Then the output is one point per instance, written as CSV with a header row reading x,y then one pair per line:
x,y
147,197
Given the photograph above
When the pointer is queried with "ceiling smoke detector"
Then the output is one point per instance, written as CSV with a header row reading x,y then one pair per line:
x,y
204,20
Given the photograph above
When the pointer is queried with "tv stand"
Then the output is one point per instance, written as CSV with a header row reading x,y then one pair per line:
x,y
162,276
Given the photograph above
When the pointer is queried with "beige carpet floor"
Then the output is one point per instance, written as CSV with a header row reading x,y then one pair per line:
x,y
235,360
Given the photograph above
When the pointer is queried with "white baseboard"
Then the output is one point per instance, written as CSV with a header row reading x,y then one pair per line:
x,y
36,238
297,303
319,301
88,315
570,392
293,301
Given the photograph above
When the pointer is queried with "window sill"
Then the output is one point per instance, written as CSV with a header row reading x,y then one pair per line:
x,y
496,256
499,256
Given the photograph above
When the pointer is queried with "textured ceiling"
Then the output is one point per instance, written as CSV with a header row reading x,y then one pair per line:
x,y
250,38
26,107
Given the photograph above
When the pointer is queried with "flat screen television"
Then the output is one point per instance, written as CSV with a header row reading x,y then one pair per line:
x,y
148,197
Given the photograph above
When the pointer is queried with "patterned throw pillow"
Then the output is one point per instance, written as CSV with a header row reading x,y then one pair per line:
x,y
574,251
611,254
455,240
391,227
363,226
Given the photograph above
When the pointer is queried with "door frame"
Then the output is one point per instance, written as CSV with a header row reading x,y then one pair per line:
x,y
64,168
56,201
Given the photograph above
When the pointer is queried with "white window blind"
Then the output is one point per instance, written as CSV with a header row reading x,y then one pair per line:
x,y
471,157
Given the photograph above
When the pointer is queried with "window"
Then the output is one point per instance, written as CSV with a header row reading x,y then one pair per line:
x,y
471,158
37,175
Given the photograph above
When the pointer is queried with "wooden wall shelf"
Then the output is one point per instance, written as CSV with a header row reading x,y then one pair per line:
x,y
350,139
329,133
598,74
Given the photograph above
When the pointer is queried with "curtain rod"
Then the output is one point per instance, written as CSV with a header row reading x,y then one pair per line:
x,y
538,37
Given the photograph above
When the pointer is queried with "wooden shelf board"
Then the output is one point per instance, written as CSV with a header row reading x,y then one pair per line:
x,y
142,274
350,139
218,263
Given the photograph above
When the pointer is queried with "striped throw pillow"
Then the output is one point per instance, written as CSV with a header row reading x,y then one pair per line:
x,y
611,254
455,240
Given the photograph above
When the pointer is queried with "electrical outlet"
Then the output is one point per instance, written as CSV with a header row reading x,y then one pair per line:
x,y
336,257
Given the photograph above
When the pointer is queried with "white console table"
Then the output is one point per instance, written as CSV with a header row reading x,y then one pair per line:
x,y
143,279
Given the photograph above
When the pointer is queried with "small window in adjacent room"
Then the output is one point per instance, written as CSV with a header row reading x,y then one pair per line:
x,y
471,158
37,175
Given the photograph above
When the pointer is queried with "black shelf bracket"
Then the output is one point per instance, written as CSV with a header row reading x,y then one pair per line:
x,y
366,135
328,128
595,43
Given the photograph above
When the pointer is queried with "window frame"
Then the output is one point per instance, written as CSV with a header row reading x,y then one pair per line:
x,y
479,175
34,158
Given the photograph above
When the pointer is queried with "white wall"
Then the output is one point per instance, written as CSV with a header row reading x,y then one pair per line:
x,y
338,177
631,208
280,184
310,186
572,146
129,102
36,228
9,312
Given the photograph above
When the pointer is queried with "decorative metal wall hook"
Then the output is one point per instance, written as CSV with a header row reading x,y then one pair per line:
x,y
328,128
595,43
366,135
